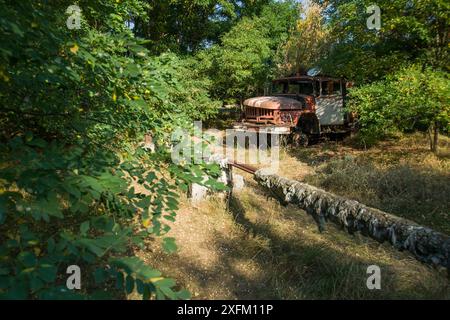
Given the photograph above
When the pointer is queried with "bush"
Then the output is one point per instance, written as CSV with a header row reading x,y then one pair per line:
x,y
411,99
74,106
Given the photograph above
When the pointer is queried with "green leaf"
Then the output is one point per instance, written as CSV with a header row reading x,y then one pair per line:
x,y
132,70
129,286
166,282
147,273
140,286
170,218
92,246
139,104
47,272
147,292
168,292
38,142
100,275
28,259
84,227
119,280
183,295
51,245
18,291
50,205
169,245
73,190
129,264
36,284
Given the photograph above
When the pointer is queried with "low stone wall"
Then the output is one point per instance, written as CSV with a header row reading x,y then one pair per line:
x,y
235,182
424,243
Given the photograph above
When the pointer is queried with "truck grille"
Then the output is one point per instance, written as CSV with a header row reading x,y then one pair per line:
x,y
259,115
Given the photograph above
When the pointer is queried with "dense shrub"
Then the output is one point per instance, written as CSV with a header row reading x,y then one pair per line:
x,y
411,99
74,105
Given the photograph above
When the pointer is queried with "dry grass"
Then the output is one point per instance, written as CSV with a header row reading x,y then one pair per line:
x,y
258,249
401,177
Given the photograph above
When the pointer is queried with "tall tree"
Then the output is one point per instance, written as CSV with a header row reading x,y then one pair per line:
x,y
74,106
188,25
411,31
247,55
308,42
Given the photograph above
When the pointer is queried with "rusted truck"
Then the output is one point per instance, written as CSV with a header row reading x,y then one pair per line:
x,y
300,107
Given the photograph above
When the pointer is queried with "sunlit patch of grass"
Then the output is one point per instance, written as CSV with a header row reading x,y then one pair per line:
x,y
402,178
254,248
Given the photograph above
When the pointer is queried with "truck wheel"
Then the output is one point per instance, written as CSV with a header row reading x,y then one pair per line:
x,y
300,139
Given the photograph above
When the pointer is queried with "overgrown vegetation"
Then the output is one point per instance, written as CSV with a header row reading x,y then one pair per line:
x,y
74,106
76,188
411,99
407,58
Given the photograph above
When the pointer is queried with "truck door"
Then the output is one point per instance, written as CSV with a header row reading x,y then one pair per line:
x,y
330,104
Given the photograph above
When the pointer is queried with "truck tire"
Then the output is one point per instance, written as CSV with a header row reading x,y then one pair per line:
x,y
300,139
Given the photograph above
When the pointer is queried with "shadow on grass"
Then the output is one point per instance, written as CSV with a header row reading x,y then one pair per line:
x,y
311,270
264,263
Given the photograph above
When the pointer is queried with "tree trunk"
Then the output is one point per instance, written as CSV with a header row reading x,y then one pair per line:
x,y
434,137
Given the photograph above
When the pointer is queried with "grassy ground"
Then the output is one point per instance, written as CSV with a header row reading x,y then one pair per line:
x,y
401,177
257,249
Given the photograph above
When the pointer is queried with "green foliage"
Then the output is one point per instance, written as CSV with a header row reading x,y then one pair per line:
x,y
413,98
402,68
411,31
74,105
186,26
189,89
308,41
247,55
240,65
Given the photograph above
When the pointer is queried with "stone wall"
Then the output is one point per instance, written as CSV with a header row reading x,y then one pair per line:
x,y
423,243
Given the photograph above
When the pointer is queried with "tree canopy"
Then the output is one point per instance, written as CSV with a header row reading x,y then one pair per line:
x,y
247,56
74,106
411,31
186,26
404,64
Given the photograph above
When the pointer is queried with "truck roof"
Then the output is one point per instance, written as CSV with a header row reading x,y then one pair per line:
x,y
308,78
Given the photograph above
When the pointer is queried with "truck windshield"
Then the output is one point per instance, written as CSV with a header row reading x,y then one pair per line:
x,y
301,87
278,88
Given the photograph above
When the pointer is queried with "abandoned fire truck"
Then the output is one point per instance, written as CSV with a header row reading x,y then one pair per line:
x,y
302,108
